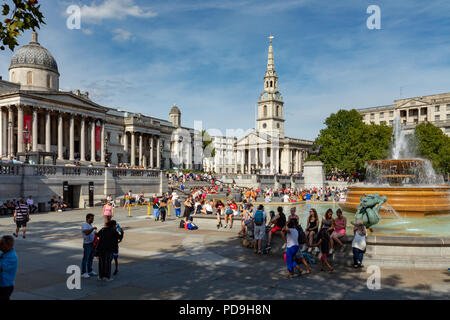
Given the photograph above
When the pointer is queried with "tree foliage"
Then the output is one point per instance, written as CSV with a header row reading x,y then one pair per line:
x,y
208,151
434,145
348,143
17,17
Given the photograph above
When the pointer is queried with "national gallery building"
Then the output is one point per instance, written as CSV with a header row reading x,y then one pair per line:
x,y
35,116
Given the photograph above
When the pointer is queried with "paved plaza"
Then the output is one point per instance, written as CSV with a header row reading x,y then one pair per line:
x,y
160,261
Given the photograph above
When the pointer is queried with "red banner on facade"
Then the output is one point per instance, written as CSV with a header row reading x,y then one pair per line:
x,y
27,129
98,138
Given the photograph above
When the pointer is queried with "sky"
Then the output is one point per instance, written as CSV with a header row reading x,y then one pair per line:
x,y
209,57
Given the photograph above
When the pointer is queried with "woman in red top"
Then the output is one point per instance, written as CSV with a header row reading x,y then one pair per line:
x,y
229,216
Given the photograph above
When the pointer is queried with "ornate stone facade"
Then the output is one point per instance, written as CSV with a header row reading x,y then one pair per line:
x,y
76,128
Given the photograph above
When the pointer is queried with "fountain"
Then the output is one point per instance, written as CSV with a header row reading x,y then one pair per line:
x,y
410,184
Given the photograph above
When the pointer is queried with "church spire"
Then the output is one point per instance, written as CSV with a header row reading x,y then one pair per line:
x,y
270,63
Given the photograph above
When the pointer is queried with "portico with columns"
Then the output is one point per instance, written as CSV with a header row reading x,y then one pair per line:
x,y
71,125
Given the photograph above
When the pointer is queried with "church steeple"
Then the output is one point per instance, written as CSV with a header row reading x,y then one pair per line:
x,y
271,78
270,105
270,63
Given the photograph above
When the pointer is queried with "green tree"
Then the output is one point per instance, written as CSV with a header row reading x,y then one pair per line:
x,y
434,145
348,143
17,17
208,151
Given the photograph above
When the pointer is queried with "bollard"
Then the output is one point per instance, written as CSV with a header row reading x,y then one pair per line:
x,y
148,211
129,211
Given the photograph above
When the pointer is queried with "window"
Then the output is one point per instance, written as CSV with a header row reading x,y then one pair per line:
x,y
381,115
278,126
391,114
372,116
265,111
437,118
437,108
423,111
447,130
448,107
264,125
448,116
29,78
271,84
391,122
49,81
278,111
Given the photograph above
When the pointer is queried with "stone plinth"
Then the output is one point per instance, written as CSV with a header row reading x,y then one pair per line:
x,y
314,174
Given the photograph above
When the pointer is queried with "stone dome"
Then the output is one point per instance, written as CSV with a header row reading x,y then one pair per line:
x,y
33,55
175,110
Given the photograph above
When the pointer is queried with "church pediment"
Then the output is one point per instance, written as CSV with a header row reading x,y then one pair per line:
x,y
254,139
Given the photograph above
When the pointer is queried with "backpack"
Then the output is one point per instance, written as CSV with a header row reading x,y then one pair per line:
x,y
301,235
259,218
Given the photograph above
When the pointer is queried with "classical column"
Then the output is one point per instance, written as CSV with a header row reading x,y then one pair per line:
x,y
249,161
264,157
20,128
102,144
158,153
72,138
4,123
133,149
125,146
35,130
60,136
290,161
152,164
140,150
10,131
83,139
48,131
93,140
277,160
1,133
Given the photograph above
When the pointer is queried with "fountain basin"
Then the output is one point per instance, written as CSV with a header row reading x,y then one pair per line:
x,y
407,201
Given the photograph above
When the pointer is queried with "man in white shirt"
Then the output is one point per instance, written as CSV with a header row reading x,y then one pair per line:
x,y
88,233
31,206
286,197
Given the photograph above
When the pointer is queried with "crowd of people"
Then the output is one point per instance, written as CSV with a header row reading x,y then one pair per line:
x,y
320,236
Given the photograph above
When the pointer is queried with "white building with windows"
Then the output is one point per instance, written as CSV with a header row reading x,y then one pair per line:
x,y
413,111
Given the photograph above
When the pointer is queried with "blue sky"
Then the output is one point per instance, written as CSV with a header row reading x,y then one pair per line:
x,y
209,57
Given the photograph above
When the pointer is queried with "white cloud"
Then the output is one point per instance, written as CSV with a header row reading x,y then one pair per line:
x,y
122,35
87,31
114,9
